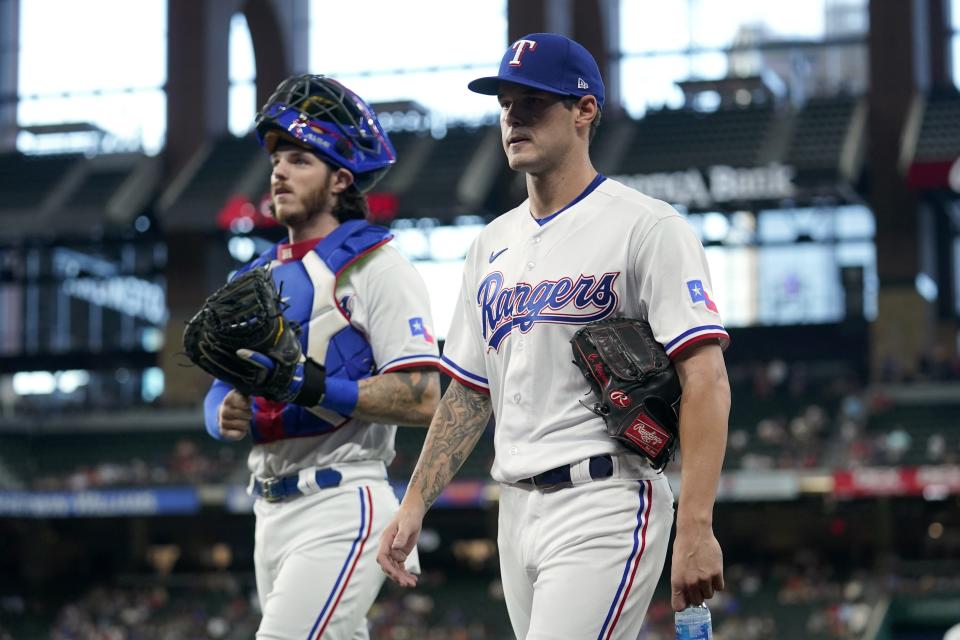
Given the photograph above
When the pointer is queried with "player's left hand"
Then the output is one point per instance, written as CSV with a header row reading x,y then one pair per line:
x,y
268,365
301,371
697,570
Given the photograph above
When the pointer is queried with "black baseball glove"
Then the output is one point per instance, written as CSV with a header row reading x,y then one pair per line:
x,y
636,385
240,336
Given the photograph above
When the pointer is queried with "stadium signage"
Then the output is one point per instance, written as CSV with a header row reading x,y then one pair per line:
x,y
930,482
106,287
129,295
100,503
716,184
935,175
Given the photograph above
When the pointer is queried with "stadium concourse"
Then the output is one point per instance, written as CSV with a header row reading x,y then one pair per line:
x,y
812,148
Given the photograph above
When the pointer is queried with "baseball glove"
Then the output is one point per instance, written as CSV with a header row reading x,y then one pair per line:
x,y
240,336
636,385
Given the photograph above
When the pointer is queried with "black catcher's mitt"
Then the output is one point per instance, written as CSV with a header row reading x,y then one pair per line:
x,y
636,385
246,313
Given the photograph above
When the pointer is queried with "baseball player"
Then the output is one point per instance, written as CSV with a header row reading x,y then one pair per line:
x,y
319,471
583,524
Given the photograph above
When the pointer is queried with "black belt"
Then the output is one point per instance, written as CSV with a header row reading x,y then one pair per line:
x,y
600,467
282,487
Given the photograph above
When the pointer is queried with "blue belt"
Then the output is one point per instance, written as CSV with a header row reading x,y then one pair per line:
x,y
600,467
283,487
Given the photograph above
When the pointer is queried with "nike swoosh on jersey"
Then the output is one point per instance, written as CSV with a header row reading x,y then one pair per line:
x,y
495,255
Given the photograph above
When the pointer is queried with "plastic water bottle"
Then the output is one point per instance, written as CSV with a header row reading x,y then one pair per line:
x,y
693,623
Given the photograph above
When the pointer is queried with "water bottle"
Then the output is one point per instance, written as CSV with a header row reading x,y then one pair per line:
x,y
693,623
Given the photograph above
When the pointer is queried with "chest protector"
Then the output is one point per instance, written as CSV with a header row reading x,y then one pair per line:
x,y
308,287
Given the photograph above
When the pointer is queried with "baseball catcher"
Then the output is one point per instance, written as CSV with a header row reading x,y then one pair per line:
x,y
240,336
635,384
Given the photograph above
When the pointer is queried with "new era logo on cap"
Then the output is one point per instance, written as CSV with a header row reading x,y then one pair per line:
x,y
549,62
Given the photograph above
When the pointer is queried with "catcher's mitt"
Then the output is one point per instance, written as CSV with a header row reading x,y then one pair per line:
x,y
246,314
636,385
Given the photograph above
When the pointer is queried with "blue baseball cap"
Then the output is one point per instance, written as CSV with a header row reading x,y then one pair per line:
x,y
549,62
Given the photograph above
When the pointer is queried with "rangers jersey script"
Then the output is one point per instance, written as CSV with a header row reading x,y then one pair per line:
x,y
529,284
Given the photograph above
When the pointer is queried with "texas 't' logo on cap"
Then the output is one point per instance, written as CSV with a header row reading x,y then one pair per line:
x,y
549,62
520,47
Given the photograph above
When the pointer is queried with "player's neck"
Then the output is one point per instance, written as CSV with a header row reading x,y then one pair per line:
x,y
316,226
554,190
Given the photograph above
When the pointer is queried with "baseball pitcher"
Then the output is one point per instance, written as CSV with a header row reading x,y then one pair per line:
x,y
586,325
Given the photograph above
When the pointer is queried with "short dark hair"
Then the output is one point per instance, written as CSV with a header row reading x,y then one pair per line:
x,y
571,101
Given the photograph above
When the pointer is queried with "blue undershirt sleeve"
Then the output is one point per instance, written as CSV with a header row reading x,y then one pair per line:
x,y
211,407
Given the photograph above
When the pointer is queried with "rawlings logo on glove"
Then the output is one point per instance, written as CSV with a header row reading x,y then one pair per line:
x,y
240,336
635,384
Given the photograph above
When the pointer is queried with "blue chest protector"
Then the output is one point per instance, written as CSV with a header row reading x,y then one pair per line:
x,y
348,354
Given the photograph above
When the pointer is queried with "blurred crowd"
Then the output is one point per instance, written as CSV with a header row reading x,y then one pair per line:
x,y
784,416
799,599
937,364
221,609
115,614
186,464
789,416
805,597
218,611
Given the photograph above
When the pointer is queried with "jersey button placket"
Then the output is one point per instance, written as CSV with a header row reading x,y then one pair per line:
x,y
519,378
532,252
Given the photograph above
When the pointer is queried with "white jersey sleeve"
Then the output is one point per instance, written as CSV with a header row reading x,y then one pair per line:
x,y
387,300
463,351
674,283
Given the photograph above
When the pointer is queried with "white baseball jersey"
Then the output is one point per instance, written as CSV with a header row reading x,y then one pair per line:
x,y
528,285
315,554
386,300
580,560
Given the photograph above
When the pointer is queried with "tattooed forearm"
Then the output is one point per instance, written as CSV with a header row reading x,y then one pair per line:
x,y
460,420
404,397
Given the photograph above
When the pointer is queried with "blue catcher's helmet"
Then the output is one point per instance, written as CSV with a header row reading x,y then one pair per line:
x,y
330,120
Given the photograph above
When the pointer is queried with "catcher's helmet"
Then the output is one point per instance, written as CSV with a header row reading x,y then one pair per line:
x,y
324,116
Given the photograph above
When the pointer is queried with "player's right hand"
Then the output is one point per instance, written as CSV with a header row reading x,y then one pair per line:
x,y
397,542
236,412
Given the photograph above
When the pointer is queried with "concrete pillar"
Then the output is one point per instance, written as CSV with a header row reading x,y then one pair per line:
x,y
901,64
280,32
592,23
9,62
197,76
197,111
526,16
198,83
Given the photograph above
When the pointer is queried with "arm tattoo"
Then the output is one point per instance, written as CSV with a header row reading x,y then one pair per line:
x,y
416,383
458,424
402,397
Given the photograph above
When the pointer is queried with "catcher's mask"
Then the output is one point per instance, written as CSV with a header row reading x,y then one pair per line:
x,y
330,120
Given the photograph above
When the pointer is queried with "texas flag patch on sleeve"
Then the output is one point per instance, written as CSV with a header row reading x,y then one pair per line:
x,y
699,294
417,328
